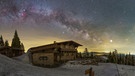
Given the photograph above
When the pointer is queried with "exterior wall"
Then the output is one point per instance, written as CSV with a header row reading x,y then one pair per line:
x,y
37,61
67,46
62,46
72,47
55,53
68,56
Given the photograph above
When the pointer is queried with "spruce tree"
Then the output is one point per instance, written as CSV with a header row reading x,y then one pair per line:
x,y
120,59
110,57
129,59
6,43
22,46
126,59
80,55
133,61
92,55
113,58
16,41
1,41
123,59
86,53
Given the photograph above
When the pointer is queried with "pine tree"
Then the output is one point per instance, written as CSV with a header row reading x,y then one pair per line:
x,y
133,61
114,58
129,59
110,57
123,59
92,55
22,46
1,41
86,53
16,41
126,59
120,60
6,43
79,55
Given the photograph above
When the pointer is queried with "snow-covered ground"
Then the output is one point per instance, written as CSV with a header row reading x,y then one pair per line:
x,y
10,67
23,58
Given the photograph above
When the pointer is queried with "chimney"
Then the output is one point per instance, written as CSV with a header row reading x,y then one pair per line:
x,y
54,42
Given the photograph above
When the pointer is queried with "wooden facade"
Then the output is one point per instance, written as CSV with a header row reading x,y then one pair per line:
x,y
10,52
52,54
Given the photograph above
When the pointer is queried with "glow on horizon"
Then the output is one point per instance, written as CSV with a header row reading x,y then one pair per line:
x,y
35,40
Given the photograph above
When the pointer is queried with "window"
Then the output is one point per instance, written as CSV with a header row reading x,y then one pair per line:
x,y
43,58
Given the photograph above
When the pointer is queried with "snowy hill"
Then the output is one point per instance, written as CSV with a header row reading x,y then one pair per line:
x,y
10,67
23,58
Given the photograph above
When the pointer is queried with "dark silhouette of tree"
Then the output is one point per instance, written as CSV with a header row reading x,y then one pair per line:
x,y
129,59
110,57
113,58
133,61
86,53
92,55
22,46
116,56
1,41
6,43
16,41
80,55
120,59
126,59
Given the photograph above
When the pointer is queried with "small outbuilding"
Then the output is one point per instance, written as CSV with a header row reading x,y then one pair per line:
x,y
11,52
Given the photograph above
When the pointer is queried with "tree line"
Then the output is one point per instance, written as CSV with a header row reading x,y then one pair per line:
x,y
112,57
126,59
16,43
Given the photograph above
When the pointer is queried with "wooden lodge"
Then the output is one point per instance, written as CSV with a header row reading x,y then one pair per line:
x,y
10,52
53,54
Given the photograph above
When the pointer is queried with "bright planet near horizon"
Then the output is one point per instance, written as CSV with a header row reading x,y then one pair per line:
x,y
99,25
111,40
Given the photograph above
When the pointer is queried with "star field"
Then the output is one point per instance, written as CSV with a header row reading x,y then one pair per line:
x,y
99,25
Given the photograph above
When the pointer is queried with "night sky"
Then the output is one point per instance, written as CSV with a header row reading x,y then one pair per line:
x,y
99,25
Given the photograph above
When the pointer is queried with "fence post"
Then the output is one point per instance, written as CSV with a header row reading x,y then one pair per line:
x,y
90,72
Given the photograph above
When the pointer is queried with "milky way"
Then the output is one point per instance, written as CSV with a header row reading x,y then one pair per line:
x,y
91,22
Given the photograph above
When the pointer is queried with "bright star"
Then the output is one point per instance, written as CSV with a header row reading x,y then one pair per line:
x,y
111,41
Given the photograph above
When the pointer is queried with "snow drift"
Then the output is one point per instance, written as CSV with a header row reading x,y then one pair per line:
x,y
10,67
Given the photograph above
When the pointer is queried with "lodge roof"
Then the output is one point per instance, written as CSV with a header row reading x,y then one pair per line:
x,y
57,43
